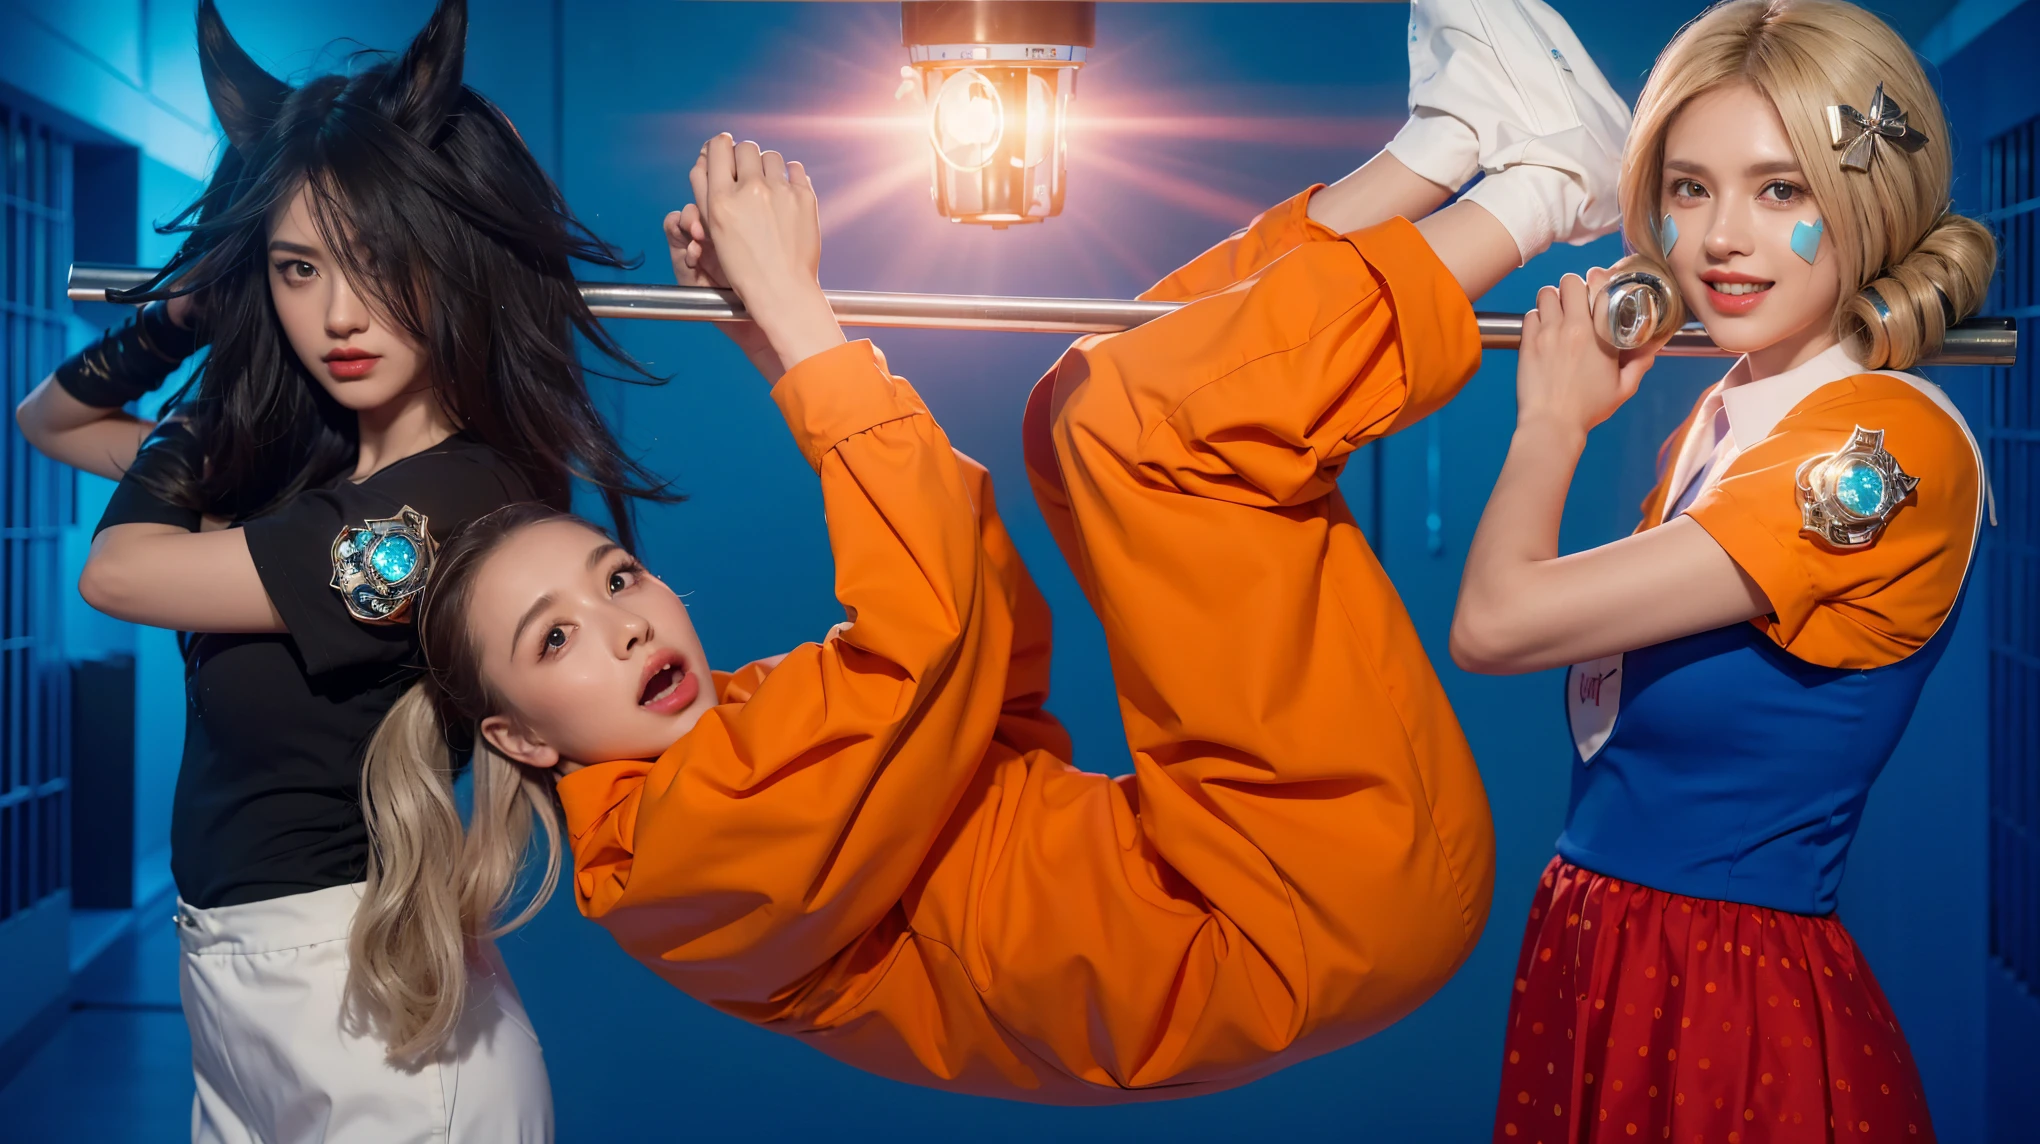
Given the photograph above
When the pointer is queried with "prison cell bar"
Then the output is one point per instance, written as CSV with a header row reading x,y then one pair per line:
x,y
1978,341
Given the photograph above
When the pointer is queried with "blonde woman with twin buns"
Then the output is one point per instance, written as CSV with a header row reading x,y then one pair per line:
x,y
1745,663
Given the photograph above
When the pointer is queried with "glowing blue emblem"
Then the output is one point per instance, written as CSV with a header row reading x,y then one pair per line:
x,y
1848,496
394,558
1860,488
379,566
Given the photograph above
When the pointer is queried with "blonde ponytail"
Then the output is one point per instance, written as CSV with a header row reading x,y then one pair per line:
x,y
434,891
1943,278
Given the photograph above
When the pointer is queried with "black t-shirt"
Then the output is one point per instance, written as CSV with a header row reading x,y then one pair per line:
x,y
268,799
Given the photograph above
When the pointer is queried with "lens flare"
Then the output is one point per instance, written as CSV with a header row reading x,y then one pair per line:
x,y
966,119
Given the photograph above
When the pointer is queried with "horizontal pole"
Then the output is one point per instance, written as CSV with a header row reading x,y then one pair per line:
x,y
1978,341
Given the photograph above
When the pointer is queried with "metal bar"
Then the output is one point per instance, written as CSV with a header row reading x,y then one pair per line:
x,y
1978,341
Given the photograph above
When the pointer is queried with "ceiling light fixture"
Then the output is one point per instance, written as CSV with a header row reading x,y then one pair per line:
x,y
997,77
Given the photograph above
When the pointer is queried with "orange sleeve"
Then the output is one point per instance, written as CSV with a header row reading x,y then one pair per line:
x,y
783,827
879,845
1273,233
1861,607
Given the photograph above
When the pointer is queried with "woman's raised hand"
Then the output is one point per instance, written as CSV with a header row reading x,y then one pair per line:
x,y
760,235
1567,374
695,264
694,261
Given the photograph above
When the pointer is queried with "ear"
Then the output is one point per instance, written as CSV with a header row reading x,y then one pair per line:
x,y
424,85
244,97
515,742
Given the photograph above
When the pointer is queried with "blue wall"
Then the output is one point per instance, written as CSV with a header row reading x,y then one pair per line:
x,y
1188,119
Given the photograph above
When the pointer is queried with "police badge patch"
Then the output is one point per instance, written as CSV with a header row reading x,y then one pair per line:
x,y
379,566
1847,497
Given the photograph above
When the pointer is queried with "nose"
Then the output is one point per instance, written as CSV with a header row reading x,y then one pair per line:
x,y
1729,230
632,632
346,314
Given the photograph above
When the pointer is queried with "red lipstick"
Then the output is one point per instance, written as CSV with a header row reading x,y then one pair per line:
x,y
1731,294
349,364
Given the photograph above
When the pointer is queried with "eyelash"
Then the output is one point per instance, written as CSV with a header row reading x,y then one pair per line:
x,y
1679,190
285,266
628,566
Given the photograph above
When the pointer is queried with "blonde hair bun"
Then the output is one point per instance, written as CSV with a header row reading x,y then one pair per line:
x,y
1941,280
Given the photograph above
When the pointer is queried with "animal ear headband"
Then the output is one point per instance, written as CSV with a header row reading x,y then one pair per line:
x,y
417,93
1858,135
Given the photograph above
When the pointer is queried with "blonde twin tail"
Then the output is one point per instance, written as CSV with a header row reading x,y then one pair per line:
x,y
1890,228
436,892
407,957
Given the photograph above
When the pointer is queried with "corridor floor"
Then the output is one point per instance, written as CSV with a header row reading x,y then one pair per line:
x,y
118,1070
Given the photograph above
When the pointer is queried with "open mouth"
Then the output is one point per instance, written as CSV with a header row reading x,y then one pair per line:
x,y
663,683
1731,294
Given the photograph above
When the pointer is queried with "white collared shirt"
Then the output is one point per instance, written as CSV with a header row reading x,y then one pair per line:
x,y
1753,409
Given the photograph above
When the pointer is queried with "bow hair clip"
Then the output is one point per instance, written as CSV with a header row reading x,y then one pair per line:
x,y
1856,134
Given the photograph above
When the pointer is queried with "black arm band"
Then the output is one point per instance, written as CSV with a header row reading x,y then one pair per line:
x,y
129,361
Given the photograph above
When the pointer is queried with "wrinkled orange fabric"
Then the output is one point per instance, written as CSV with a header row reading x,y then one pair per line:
x,y
1858,608
877,844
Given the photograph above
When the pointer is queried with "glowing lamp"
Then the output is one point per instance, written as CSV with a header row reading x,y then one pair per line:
x,y
997,77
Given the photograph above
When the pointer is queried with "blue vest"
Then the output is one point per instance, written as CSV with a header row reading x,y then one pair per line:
x,y
1735,772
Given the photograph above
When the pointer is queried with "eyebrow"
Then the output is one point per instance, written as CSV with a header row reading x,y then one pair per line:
x,y
1774,167
546,601
294,248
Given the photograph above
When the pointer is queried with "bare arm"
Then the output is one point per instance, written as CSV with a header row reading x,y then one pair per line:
x,y
165,577
85,437
96,439
1522,606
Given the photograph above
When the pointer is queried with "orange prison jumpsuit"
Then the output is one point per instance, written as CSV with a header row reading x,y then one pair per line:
x,y
877,844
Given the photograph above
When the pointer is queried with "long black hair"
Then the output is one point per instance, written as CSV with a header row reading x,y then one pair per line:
x,y
437,211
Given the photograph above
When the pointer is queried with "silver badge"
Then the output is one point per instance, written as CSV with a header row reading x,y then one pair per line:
x,y
1847,497
379,566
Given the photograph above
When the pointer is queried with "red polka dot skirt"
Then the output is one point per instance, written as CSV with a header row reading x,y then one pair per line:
x,y
1643,1015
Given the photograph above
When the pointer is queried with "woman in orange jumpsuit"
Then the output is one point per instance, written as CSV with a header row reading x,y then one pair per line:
x,y
876,842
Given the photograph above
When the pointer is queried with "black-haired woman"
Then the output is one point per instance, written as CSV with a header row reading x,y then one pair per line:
x,y
383,274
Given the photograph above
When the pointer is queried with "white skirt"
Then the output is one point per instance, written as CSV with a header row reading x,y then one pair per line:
x,y
263,986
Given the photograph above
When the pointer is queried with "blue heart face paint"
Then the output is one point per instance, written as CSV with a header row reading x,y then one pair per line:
x,y
1668,236
1806,240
